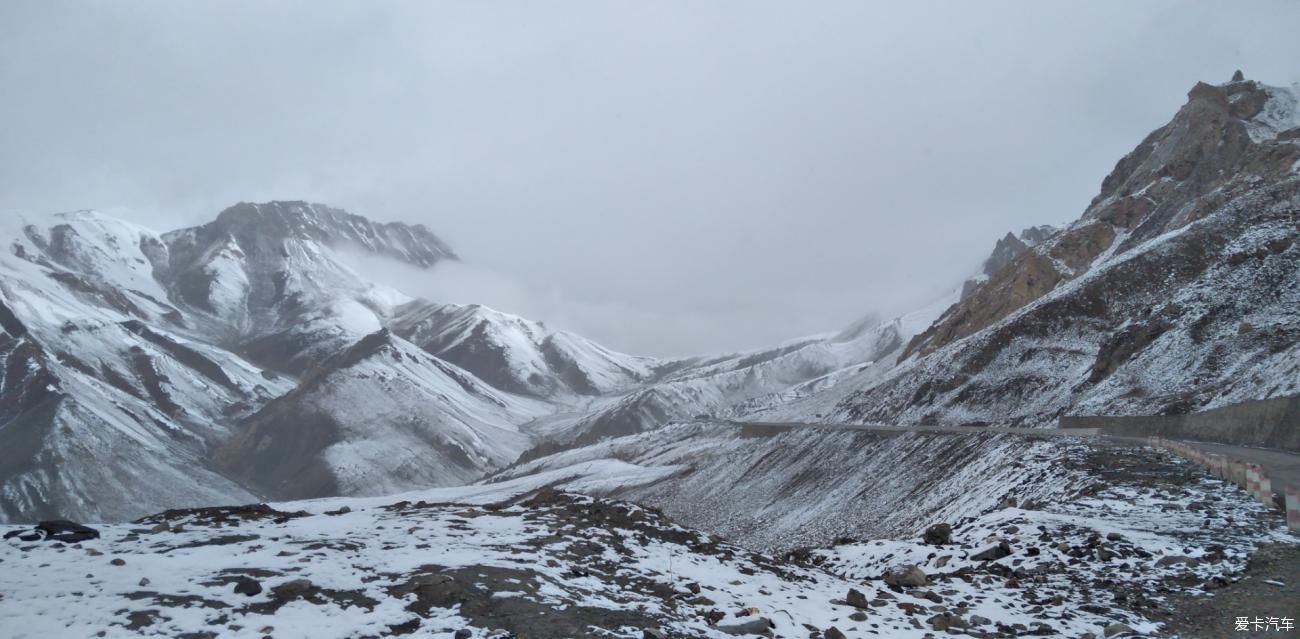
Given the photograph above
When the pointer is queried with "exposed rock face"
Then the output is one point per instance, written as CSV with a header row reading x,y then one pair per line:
x,y
1221,144
1137,307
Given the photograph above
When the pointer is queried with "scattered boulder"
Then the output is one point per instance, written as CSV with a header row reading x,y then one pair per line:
x,y
291,590
1176,559
993,553
943,621
66,531
57,530
907,577
118,562
1118,629
464,633
648,633
857,599
938,535
247,586
833,633
758,626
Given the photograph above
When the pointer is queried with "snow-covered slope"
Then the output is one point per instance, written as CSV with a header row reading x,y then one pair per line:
x,y
521,559
519,355
380,417
777,489
109,404
742,384
129,356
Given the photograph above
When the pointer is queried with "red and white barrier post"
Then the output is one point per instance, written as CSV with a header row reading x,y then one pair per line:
x,y
1266,490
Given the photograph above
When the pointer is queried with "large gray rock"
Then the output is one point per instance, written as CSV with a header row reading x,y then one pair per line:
x,y
907,577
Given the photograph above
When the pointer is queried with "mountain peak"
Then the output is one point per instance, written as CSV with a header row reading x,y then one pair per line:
x,y
411,243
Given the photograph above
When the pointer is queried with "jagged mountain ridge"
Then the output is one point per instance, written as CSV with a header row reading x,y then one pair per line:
x,y
518,355
1138,306
130,356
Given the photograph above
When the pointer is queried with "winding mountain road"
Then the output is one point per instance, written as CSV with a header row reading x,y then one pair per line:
x,y
1283,467
757,427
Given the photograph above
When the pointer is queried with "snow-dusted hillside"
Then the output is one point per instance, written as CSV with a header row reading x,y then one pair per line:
x,y
521,559
774,489
741,384
519,355
130,356
108,403
377,418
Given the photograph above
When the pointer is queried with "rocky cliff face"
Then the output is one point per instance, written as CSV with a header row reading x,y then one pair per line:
x,y
1176,289
1225,142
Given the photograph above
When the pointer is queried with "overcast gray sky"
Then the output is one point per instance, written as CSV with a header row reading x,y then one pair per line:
x,y
666,177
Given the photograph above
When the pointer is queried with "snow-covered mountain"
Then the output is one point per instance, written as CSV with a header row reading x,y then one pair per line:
x,y
241,358
380,417
244,358
738,384
516,354
1176,291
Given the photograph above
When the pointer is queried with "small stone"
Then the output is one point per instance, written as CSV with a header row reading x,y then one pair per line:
x,y
248,587
144,581
693,587
648,633
858,616
833,633
466,633
977,620
93,553
118,562
857,599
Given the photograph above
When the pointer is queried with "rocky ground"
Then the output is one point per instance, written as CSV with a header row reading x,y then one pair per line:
x,y
1148,540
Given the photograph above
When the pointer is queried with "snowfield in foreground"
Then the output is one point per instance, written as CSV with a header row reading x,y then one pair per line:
x,y
521,559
